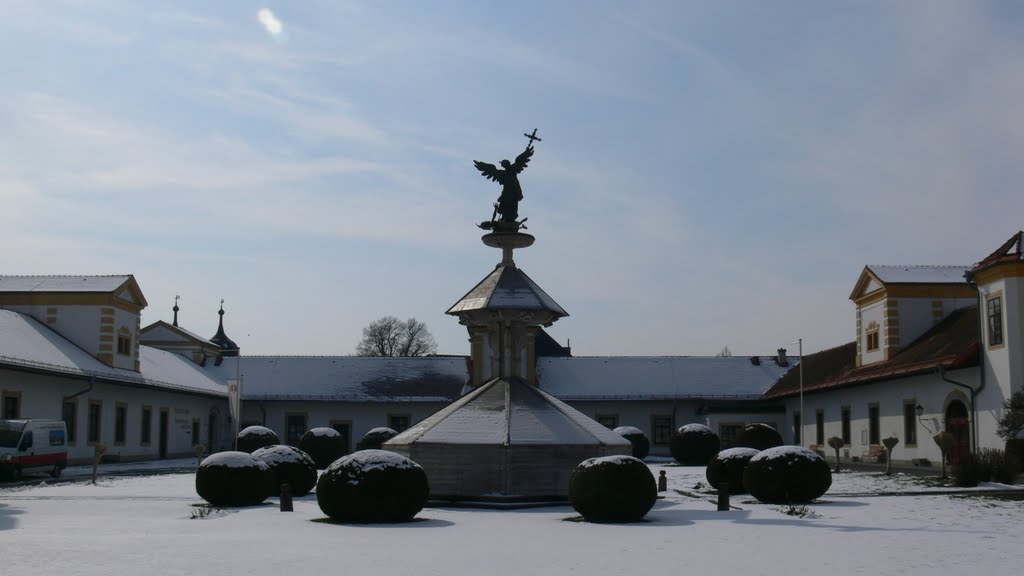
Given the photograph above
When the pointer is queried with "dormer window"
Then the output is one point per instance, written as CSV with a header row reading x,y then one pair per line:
x,y
872,336
124,342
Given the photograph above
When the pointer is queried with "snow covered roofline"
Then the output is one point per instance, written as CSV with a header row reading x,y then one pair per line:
x,y
104,284
919,274
659,377
27,344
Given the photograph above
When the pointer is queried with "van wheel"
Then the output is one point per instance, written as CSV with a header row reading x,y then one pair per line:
x,y
15,474
55,473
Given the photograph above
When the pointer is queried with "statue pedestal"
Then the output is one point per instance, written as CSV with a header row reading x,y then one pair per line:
x,y
507,241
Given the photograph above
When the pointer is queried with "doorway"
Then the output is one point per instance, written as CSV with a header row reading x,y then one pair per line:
x,y
958,423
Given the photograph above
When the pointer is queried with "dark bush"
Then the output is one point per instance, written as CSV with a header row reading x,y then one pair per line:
x,y
636,437
968,470
727,468
787,475
372,486
324,446
1015,448
694,445
759,437
612,489
374,439
996,466
233,479
289,465
255,437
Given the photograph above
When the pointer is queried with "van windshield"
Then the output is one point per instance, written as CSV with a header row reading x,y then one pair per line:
x,y
10,433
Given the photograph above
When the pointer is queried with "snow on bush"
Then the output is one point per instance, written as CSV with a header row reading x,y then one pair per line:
x,y
374,439
727,468
289,465
787,475
612,489
372,486
759,437
324,446
233,479
255,437
636,437
694,445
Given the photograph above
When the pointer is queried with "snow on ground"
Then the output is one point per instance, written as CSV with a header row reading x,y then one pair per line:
x,y
144,524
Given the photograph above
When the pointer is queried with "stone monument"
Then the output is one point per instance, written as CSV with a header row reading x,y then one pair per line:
x,y
505,441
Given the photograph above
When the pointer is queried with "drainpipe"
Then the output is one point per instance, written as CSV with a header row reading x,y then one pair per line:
x,y
941,371
92,382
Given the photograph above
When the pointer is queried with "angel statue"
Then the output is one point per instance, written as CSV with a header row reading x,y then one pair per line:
x,y
511,192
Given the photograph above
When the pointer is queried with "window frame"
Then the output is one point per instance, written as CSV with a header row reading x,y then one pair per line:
x,y
288,428
196,430
871,339
798,425
70,424
844,416
819,426
120,423
613,417
994,326
910,423
347,435
94,430
124,342
393,416
874,424
661,426
14,395
146,425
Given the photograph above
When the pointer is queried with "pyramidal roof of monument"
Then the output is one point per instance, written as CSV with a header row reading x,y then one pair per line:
x,y
506,412
507,288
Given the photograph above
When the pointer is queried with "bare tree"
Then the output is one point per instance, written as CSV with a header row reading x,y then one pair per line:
x,y
724,353
389,336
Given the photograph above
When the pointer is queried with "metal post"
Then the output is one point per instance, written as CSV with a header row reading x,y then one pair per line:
x,y
800,343
723,497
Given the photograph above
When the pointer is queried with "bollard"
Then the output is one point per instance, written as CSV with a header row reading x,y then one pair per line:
x,y
662,482
286,498
723,497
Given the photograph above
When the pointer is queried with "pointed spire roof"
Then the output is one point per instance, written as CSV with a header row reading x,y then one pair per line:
x,y
221,339
507,288
175,309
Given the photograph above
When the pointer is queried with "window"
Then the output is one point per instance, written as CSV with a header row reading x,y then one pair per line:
x,y
728,434
873,425
399,422
95,420
345,429
195,431
661,428
845,416
294,428
146,435
124,342
211,425
796,428
68,413
12,406
910,422
819,427
994,312
609,421
120,423
872,336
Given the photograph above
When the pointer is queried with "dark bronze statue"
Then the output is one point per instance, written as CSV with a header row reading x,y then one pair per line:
x,y
507,205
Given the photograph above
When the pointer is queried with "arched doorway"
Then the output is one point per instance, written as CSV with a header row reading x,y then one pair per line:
x,y
958,423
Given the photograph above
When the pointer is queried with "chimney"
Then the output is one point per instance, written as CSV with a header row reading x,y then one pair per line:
x,y
781,360
755,360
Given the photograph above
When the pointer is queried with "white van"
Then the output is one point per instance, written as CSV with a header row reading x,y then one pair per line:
x,y
32,446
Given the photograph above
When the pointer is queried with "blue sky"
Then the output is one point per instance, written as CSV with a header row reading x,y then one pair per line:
x,y
711,174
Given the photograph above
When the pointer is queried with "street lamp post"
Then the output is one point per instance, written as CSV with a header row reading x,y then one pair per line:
x,y
800,350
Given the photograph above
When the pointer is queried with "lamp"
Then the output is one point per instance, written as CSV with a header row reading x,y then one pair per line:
x,y
920,410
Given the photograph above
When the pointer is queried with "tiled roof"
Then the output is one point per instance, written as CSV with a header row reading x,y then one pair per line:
x,y
951,344
1011,251
62,283
919,274
508,288
28,344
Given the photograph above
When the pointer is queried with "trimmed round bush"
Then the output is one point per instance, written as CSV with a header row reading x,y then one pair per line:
x,y
636,437
694,445
253,438
233,479
374,439
759,437
289,465
727,468
372,486
612,489
787,475
324,445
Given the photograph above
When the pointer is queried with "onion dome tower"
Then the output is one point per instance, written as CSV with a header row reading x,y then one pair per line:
x,y
227,345
505,441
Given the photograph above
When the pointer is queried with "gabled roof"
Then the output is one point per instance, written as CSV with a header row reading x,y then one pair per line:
x,y
507,288
951,344
1011,251
506,412
658,377
119,283
347,378
163,331
875,277
27,344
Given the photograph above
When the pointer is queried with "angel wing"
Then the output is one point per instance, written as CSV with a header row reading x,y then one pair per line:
x,y
522,160
490,171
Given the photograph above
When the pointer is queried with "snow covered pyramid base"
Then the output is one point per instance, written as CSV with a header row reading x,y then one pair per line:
x,y
506,441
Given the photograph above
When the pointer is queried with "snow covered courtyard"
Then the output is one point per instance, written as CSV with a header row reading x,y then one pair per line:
x,y
145,525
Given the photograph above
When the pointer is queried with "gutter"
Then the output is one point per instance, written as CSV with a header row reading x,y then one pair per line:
x,y
92,382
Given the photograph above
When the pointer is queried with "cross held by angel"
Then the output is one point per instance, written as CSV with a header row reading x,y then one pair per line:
x,y
507,205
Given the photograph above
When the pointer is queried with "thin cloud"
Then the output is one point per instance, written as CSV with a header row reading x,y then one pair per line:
x,y
271,24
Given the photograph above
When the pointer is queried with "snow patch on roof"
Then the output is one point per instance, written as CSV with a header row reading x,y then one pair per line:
x,y
920,274
62,283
